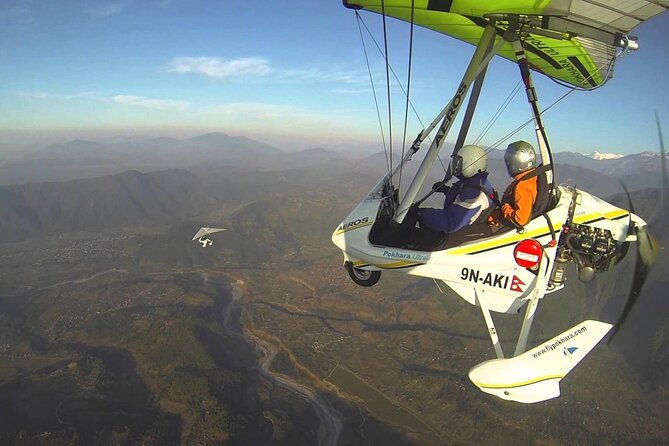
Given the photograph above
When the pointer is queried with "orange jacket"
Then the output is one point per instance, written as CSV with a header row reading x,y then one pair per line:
x,y
518,199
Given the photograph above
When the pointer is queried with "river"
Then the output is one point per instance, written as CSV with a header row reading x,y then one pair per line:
x,y
330,420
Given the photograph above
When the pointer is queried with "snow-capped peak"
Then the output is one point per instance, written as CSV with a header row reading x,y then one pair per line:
x,y
605,156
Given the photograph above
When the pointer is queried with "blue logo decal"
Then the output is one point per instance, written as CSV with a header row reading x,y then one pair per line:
x,y
568,351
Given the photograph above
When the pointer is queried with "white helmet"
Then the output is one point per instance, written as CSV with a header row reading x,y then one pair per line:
x,y
519,157
468,161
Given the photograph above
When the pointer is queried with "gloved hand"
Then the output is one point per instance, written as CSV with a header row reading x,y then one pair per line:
x,y
440,186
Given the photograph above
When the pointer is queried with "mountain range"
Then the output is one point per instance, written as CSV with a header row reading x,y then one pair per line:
x,y
604,156
93,186
212,151
215,152
617,165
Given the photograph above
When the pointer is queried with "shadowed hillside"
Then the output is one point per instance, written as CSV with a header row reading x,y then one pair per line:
x,y
254,237
127,199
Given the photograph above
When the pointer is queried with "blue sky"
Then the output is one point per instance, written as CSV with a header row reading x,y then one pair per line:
x,y
292,74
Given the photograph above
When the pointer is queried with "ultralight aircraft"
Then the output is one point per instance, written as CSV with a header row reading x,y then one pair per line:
x,y
576,43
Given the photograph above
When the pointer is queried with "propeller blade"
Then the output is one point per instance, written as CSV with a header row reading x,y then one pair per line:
x,y
624,248
648,246
660,212
665,184
647,251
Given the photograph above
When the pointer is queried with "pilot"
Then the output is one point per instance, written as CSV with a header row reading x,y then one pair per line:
x,y
467,199
520,196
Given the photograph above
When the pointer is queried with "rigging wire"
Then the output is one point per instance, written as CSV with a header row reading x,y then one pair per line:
x,y
371,80
399,83
499,112
392,71
541,113
526,123
390,115
493,120
609,67
406,105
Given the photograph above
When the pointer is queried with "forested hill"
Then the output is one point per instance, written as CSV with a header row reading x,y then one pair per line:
x,y
126,199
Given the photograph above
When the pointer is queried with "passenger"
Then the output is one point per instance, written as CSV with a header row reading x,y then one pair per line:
x,y
520,196
467,199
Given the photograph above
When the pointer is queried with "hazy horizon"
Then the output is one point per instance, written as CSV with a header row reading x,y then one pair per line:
x,y
16,146
123,69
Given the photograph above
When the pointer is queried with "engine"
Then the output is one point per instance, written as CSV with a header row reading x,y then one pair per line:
x,y
591,249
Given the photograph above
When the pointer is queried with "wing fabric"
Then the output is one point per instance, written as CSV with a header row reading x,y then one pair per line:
x,y
206,231
571,41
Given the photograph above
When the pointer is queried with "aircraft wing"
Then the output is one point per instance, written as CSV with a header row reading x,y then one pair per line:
x,y
572,41
206,231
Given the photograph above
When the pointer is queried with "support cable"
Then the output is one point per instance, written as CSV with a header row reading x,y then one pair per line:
x,y
413,108
499,112
521,126
541,113
371,80
608,65
394,74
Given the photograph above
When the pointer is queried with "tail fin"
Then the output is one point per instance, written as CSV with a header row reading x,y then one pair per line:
x,y
535,375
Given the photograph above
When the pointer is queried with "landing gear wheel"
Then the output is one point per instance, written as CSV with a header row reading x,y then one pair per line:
x,y
361,276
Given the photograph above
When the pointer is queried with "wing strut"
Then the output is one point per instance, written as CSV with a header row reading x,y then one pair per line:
x,y
538,292
479,60
491,325
471,106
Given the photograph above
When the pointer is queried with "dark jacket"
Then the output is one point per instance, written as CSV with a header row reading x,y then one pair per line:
x,y
464,203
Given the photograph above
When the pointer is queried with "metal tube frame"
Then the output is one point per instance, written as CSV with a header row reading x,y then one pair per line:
x,y
471,107
533,100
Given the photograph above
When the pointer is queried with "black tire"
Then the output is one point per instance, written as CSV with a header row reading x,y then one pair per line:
x,y
362,277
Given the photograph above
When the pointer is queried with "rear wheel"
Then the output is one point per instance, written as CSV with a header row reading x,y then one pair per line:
x,y
362,277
